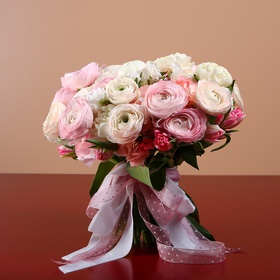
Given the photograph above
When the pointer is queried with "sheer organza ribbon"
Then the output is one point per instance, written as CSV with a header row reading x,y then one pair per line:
x,y
112,223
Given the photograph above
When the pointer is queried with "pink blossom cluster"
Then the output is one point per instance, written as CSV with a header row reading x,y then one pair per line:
x,y
143,108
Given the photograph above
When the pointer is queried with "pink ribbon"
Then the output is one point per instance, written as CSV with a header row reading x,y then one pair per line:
x,y
112,223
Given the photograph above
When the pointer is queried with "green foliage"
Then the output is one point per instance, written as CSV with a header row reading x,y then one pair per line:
x,y
106,145
103,169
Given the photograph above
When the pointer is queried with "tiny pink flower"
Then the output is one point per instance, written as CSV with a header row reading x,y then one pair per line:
x,y
136,152
64,151
102,154
234,118
162,141
213,133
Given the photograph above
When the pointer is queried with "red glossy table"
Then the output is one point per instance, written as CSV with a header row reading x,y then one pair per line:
x,y
43,218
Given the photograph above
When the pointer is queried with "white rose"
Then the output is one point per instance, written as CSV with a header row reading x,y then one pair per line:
x,y
95,98
150,72
109,71
212,98
132,69
50,125
125,123
236,95
213,72
122,90
83,92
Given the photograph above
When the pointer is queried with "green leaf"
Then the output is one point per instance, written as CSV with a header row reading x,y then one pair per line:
x,y
231,86
212,119
228,138
106,145
188,154
140,173
196,78
157,161
158,178
103,169
199,149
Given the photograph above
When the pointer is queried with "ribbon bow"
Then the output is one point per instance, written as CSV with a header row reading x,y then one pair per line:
x,y
112,223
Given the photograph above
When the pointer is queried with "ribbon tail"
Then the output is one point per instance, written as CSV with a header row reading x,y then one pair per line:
x,y
177,240
105,248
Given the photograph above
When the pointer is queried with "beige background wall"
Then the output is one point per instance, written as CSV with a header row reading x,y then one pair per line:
x,y
43,39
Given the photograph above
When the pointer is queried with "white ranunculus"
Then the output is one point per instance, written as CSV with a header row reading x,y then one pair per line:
x,y
211,71
100,122
236,95
177,64
125,123
132,69
212,98
50,125
122,90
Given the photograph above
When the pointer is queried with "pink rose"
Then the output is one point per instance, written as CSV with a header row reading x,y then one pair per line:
x,y
64,95
187,126
162,141
81,78
234,118
76,120
213,133
164,98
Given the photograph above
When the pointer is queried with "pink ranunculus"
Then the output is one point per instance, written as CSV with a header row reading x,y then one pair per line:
x,y
81,78
164,98
213,133
76,120
83,151
234,118
64,95
190,85
64,151
188,125
162,141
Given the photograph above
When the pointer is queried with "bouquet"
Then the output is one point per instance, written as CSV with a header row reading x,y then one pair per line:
x,y
142,120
